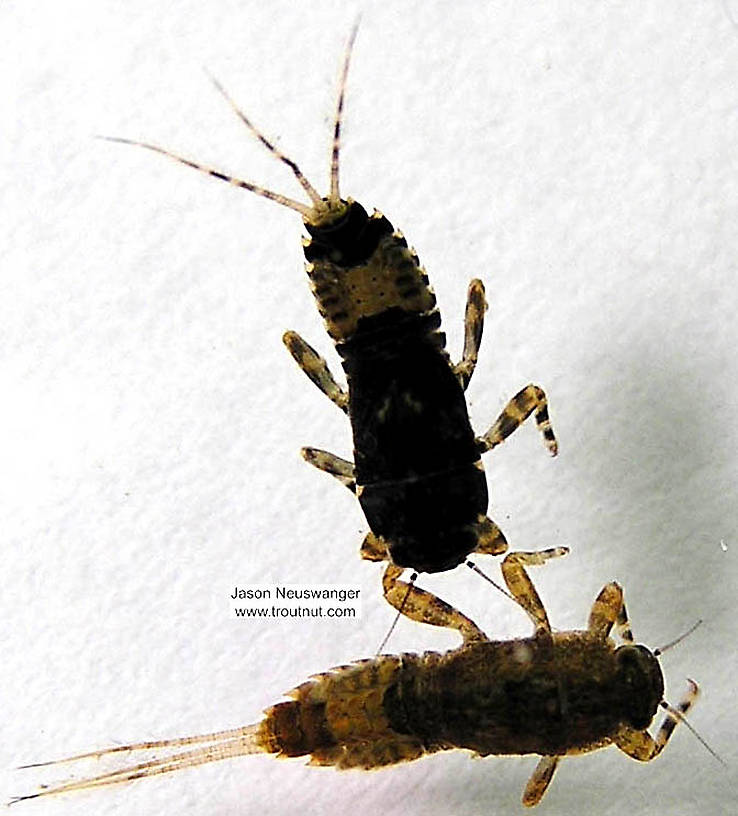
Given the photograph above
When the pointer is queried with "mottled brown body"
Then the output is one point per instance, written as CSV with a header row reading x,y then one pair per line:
x,y
552,694
536,695
542,695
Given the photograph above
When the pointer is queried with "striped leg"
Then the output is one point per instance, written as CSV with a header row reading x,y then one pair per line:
x,y
641,745
531,399
476,305
315,368
608,610
424,607
540,780
340,469
519,583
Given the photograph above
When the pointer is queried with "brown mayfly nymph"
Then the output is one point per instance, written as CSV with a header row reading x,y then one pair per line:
x,y
553,694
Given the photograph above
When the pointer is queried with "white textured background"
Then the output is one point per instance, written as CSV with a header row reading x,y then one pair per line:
x,y
580,157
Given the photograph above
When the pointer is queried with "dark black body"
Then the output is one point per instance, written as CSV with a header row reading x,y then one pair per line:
x,y
415,454
418,470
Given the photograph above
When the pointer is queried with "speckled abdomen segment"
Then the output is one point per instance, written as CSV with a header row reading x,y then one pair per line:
x,y
338,718
389,278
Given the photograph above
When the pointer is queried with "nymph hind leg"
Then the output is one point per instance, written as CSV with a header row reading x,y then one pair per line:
x,y
641,745
316,368
530,400
425,607
340,469
522,589
476,305
540,780
416,603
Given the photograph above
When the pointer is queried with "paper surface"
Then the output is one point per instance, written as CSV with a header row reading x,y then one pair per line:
x,y
579,157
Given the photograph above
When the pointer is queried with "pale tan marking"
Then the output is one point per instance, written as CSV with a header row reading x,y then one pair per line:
x,y
490,539
390,278
374,548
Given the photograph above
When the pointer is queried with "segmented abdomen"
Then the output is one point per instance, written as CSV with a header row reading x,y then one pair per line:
x,y
549,695
338,718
